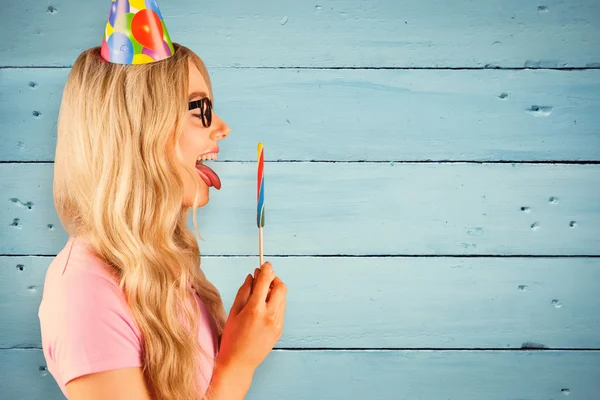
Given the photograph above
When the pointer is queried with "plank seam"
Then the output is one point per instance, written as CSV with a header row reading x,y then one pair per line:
x,y
485,67
577,162
448,349
512,349
370,255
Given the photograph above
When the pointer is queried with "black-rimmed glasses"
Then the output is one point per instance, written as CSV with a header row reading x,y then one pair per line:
x,y
205,106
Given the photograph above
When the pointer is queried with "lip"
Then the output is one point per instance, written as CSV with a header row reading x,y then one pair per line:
x,y
213,150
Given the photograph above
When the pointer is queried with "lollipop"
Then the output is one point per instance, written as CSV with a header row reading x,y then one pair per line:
x,y
260,200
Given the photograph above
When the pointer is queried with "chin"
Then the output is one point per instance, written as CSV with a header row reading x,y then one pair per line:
x,y
202,199
202,202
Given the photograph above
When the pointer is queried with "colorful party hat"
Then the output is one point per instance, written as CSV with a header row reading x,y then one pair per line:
x,y
135,33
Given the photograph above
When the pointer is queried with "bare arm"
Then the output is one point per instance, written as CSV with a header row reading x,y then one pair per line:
x,y
117,384
254,325
227,383
252,329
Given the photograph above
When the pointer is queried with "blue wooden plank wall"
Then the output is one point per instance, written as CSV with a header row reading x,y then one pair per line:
x,y
433,174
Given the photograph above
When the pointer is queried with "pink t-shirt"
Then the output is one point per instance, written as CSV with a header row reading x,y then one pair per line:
x,y
87,326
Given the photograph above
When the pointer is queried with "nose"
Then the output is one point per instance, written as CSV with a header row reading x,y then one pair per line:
x,y
221,129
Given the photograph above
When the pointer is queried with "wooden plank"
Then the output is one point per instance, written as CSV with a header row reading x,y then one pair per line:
x,y
382,375
349,33
384,302
358,209
354,115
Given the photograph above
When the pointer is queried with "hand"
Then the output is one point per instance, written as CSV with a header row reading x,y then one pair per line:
x,y
255,322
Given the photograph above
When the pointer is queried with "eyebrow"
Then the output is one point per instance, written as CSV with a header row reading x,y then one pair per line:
x,y
197,94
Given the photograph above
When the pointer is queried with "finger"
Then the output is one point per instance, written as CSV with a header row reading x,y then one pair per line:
x,y
256,274
269,294
261,287
271,288
266,265
280,310
278,294
242,296
280,313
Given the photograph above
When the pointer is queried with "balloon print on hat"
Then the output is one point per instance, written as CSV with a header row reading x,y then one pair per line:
x,y
147,29
135,33
124,24
121,48
138,4
117,8
151,4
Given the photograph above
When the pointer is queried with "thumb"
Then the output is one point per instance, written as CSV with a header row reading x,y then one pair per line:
x,y
242,296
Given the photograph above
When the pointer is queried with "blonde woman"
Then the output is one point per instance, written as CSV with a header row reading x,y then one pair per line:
x,y
127,313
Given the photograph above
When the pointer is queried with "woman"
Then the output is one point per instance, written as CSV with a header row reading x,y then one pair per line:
x,y
127,313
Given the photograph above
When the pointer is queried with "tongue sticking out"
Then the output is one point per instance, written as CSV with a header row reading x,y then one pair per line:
x,y
209,176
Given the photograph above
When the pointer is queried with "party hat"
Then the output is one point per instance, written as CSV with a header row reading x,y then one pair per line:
x,y
135,33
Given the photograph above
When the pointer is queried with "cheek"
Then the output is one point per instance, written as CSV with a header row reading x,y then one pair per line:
x,y
188,143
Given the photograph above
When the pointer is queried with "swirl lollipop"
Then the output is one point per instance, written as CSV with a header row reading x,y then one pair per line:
x,y
260,200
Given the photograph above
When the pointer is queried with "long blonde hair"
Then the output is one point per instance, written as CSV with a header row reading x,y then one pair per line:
x,y
116,184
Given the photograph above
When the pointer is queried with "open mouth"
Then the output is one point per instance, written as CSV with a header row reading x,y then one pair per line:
x,y
209,176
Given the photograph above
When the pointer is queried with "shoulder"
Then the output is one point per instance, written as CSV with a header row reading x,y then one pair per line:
x,y
79,285
86,324
79,258
78,282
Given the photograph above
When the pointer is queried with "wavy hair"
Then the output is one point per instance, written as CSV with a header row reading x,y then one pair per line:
x,y
116,184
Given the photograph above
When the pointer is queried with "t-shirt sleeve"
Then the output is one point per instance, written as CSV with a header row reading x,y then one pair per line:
x,y
95,328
